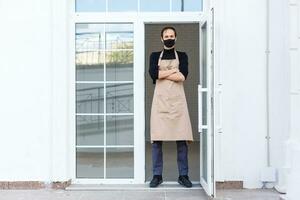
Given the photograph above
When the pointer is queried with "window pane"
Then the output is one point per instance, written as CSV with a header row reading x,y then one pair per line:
x,y
155,5
90,6
89,130
121,5
119,27
89,163
89,36
89,60
119,98
119,40
203,73
119,163
90,66
120,32
204,153
119,130
186,5
119,65
89,98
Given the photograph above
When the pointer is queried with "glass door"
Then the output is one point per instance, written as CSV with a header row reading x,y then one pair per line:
x,y
206,110
104,101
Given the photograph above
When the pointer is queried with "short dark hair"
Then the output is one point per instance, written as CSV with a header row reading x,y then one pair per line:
x,y
165,28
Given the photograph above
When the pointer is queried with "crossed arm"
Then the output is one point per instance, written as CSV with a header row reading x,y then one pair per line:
x,y
172,74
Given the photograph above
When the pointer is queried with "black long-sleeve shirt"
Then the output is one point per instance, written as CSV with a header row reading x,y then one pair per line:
x,y
168,54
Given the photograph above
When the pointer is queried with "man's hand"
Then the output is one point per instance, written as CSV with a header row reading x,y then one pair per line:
x,y
165,73
177,76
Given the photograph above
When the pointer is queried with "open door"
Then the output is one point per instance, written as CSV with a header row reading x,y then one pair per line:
x,y
206,112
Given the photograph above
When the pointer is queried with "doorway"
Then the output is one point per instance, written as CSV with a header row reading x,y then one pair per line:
x,y
121,151
187,41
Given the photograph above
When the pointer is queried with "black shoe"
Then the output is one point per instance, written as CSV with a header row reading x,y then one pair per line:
x,y
156,180
184,180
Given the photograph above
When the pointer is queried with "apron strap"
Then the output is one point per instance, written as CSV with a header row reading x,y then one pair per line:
x,y
160,56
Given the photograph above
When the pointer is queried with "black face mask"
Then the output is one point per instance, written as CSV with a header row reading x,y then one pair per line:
x,y
169,42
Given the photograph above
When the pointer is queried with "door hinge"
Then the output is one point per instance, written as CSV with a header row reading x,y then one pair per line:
x,y
220,130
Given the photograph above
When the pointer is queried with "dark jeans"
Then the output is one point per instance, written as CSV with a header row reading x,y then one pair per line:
x,y
182,157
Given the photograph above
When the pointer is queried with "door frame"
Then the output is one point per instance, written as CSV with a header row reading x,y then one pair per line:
x,y
209,185
139,21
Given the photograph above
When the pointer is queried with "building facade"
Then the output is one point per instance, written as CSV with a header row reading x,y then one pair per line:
x,y
76,91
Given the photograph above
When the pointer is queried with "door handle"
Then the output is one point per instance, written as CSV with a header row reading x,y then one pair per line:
x,y
199,108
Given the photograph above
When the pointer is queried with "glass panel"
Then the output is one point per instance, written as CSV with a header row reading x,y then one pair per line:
x,y
89,98
155,5
109,47
119,98
89,37
89,163
119,163
89,66
203,72
204,153
121,5
119,27
90,6
119,40
186,5
119,130
119,36
90,130
89,60
204,108
119,65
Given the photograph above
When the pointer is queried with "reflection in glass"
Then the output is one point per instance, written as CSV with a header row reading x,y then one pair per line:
x,y
186,5
119,27
104,47
90,66
121,5
89,37
89,60
89,163
119,65
119,130
203,72
119,98
204,153
132,5
119,36
155,5
119,40
90,5
89,130
89,98
119,163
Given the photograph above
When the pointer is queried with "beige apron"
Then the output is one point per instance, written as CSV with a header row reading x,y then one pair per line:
x,y
169,118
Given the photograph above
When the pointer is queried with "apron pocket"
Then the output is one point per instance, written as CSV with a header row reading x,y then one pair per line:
x,y
175,103
162,104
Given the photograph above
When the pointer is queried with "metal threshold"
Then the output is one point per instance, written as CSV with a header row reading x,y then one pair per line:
x,y
163,186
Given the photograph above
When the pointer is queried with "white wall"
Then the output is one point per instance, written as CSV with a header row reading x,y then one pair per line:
x,y
293,147
25,56
33,112
294,44
279,80
241,57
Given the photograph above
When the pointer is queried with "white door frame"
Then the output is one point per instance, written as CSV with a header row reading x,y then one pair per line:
x,y
209,185
139,20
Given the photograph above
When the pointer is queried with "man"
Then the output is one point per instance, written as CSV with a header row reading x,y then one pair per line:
x,y
169,119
